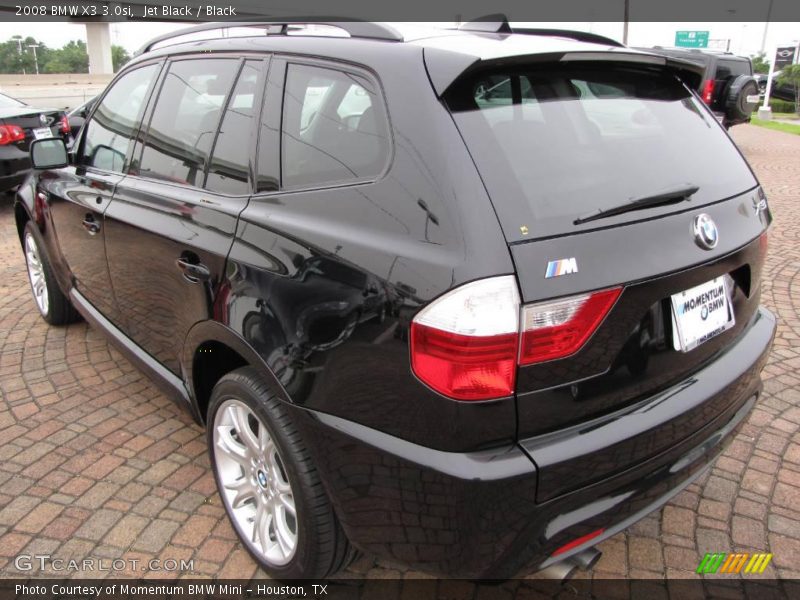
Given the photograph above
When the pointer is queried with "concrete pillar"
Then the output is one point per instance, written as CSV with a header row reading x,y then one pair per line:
x,y
98,45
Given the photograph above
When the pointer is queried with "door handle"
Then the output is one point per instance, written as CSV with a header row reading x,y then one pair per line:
x,y
193,273
90,225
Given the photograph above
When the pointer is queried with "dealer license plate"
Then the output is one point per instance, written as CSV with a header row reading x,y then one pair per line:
x,y
42,133
700,313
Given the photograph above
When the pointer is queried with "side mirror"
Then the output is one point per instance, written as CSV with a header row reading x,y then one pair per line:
x,y
49,154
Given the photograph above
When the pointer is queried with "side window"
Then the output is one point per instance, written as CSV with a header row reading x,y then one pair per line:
x,y
334,128
185,119
116,120
732,68
228,172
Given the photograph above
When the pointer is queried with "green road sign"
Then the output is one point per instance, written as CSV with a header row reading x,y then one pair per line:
x,y
691,39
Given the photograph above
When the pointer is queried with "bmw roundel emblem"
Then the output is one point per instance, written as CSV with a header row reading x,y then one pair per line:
x,y
705,231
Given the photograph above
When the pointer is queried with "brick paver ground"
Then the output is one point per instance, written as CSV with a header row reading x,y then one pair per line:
x,y
95,462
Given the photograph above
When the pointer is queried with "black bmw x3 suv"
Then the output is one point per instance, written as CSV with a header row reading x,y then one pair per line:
x,y
473,300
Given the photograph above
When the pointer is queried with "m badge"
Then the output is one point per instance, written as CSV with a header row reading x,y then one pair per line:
x,y
562,266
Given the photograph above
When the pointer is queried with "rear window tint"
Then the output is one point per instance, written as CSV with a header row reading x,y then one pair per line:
x,y
732,68
185,120
228,169
554,143
334,128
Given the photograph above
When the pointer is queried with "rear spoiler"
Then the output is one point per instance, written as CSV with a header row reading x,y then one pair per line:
x,y
444,66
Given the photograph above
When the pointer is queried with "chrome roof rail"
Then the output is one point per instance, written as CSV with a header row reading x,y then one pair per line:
x,y
356,29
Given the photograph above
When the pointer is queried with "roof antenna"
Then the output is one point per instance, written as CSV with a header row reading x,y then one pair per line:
x,y
495,23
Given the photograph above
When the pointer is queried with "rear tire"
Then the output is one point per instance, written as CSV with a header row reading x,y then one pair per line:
x,y
53,304
269,484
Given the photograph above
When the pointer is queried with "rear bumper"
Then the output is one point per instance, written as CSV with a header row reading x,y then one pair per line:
x,y
476,514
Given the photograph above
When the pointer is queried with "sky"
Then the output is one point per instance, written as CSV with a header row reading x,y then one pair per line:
x,y
745,38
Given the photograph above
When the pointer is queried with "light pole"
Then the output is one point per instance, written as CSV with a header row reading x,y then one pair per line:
x,y
35,59
766,28
18,39
626,16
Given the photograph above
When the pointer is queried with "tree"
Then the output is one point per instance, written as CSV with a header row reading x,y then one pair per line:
x,y
119,56
72,58
17,57
760,63
790,76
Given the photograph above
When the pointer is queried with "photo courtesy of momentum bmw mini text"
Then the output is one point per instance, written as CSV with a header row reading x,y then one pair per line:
x,y
133,589
399,300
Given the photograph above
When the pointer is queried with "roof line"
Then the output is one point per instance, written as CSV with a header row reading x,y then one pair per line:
x,y
356,29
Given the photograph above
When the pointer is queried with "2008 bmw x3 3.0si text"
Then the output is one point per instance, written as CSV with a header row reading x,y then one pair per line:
x,y
473,300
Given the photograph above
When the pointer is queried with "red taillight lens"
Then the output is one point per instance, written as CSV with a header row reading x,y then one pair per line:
x,y
465,367
708,91
464,344
10,134
467,344
63,125
558,329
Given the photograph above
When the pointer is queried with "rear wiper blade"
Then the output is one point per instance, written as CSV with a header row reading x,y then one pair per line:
x,y
672,196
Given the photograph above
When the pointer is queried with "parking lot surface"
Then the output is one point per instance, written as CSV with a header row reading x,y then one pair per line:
x,y
96,462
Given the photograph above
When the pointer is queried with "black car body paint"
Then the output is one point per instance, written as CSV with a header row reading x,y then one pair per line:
x,y
317,288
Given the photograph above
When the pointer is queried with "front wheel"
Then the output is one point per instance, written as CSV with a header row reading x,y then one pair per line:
x,y
268,483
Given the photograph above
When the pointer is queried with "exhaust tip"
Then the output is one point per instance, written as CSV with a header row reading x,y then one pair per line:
x,y
560,571
586,559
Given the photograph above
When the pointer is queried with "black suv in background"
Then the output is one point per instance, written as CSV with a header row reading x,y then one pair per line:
x,y
728,85
474,300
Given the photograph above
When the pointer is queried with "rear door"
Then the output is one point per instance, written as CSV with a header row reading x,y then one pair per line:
x,y
85,190
559,148
173,218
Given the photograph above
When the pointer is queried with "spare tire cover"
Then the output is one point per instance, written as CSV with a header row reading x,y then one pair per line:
x,y
737,103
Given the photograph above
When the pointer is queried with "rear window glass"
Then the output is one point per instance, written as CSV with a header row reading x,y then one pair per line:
x,y
554,143
732,68
185,119
228,171
334,128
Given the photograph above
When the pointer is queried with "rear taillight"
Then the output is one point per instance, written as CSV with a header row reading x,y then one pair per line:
x,y
708,91
63,125
466,345
558,329
10,134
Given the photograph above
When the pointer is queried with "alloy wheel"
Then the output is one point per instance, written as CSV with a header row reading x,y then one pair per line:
x,y
36,274
256,490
